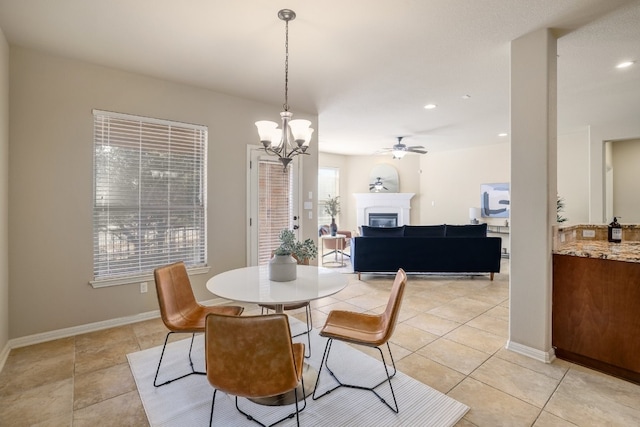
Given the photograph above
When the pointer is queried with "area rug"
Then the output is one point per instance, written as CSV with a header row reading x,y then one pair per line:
x,y
187,402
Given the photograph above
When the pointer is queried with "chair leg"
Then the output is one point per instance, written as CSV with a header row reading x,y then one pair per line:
x,y
289,416
213,402
325,363
308,331
193,371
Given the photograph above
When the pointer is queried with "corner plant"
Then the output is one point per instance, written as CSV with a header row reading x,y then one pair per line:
x,y
300,250
332,206
559,209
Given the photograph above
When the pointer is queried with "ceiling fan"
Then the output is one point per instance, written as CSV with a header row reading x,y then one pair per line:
x,y
377,186
399,150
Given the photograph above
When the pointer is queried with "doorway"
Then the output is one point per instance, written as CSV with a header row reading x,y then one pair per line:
x,y
272,204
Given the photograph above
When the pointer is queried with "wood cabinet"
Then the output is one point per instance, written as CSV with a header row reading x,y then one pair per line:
x,y
596,314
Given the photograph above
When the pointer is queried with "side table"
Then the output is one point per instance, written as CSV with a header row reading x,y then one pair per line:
x,y
339,247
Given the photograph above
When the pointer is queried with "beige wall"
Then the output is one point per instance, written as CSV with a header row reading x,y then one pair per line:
x,y
448,183
50,191
573,176
4,194
354,178
451,181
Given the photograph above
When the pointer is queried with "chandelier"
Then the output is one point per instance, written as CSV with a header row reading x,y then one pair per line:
x,y
294,136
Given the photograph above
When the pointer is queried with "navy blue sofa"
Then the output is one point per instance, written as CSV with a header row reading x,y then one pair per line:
x,y
426,249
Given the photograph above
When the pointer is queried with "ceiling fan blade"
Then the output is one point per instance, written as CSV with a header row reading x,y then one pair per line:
x,y
384,150
419,151
413,147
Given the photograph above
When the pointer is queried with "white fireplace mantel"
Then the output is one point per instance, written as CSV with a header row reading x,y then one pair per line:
x,y
398,203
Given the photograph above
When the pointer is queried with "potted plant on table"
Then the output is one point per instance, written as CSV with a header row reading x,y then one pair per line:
x,y
332,208
290,253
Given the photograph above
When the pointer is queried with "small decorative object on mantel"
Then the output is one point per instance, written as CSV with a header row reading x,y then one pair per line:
x,y
290,253
332,208
474,214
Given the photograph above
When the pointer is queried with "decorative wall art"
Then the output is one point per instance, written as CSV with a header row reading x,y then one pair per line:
x,y
494,200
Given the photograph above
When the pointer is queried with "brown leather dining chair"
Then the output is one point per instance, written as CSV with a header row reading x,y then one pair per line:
x,y
265,308
371,330
180,311
253,357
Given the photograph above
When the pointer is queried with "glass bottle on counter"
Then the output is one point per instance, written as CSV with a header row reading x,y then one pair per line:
x,y
614,232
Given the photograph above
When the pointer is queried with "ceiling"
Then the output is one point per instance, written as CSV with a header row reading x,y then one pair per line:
x,y
366,67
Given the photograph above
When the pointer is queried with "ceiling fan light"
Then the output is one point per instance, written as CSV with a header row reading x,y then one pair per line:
x,y
398,154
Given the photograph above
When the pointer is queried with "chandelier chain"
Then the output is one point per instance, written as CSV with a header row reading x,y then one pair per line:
x,y
286,67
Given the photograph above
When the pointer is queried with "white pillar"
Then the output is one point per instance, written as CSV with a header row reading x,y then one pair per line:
x,y
533,192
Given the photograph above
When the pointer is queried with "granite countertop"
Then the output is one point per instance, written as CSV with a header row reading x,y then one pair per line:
x,y
624,251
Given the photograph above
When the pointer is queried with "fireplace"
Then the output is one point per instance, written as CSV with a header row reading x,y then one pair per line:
x,y
398,204
383,220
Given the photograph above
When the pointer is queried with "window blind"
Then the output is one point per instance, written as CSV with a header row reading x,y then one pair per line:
x,y
275,209
149,195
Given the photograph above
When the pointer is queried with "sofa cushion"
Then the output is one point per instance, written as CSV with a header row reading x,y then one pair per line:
x,y
471,230
424,230
382,231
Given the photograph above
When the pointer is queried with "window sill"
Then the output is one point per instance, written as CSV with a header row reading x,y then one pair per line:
x,y
130,280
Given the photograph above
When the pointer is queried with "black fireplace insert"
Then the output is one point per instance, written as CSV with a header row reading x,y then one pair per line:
x,y
383,220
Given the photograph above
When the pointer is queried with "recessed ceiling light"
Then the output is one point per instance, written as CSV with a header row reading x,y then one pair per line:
x,y
466,96
430,106
625,64
502,134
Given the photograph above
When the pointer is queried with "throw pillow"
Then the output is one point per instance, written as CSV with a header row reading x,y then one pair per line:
x,y
479,230
382,231
424,230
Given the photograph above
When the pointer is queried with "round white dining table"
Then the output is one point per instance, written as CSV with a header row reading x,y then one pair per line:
x,y
252,284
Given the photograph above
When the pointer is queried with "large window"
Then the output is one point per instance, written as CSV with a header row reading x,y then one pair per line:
x,y
328,185
149,196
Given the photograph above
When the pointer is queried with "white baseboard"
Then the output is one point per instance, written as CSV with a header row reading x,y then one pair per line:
x,y
83,329
4,354
542,356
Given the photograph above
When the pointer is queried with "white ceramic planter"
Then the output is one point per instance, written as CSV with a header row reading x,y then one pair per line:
x,y
282,268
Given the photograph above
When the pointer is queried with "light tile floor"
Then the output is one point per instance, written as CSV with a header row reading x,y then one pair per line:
x,y
451,336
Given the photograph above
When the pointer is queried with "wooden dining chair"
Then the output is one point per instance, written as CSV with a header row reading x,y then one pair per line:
x,y
253,357
368,330
180,311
